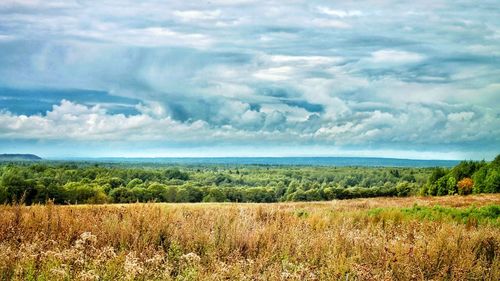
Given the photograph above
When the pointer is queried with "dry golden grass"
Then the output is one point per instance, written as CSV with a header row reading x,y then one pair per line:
x,y
337,240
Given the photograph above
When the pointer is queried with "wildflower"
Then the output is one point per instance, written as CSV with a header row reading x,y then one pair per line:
x,y
191,258
106,253
132,266
88,275
59,273
86,239
156,260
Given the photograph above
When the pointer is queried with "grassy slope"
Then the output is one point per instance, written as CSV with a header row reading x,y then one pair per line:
x,y
367,239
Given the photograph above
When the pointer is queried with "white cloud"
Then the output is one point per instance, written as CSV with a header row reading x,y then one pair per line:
x,y
329,23
272,124
286,67
395,56
6,37
291,114
460,116
39,3
78,122
310,61
340,13
275,73
313,62
153,36
154,109
197,15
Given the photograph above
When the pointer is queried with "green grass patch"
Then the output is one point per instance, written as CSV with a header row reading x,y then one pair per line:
x,y
472,215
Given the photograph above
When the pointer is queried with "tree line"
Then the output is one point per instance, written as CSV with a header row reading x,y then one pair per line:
x,y
91,183
465,178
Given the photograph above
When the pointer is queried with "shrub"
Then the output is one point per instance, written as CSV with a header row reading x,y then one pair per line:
x,y
465,186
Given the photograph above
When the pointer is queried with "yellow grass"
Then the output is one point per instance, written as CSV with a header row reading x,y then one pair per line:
x,y
337,240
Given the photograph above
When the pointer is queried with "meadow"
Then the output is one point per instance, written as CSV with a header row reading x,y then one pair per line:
x,y
411,238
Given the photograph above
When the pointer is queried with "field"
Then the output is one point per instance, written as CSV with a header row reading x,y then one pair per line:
x,y
413,238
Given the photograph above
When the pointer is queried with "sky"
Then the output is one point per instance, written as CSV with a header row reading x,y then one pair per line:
x,y
124,78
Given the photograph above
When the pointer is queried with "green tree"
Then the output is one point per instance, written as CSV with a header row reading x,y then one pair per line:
x,y
442,186
451,185
157,192
133,183
479,179
492,182
214,195
77,192
18,186
121,195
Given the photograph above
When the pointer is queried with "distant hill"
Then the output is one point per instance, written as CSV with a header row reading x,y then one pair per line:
x,y
19,157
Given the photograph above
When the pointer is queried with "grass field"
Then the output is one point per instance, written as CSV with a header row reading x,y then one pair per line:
x,y
415,238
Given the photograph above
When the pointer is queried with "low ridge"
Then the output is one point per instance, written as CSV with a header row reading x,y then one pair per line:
x,y
19,157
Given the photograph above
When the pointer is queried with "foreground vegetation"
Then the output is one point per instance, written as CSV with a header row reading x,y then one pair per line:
x,y
415,238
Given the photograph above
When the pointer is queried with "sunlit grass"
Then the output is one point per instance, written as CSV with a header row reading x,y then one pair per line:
x,y
473,215
441,238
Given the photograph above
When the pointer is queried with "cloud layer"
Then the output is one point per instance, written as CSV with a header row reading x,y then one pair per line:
x,y
423,76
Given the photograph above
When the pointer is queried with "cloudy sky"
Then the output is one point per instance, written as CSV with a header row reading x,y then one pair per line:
x,y
411,79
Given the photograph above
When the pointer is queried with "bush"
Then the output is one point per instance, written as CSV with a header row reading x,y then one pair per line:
x,y
465,186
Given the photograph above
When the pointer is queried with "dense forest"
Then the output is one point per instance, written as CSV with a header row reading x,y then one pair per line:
x,y
91,183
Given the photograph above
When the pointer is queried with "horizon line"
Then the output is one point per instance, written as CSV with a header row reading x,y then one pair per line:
x,y
240,157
